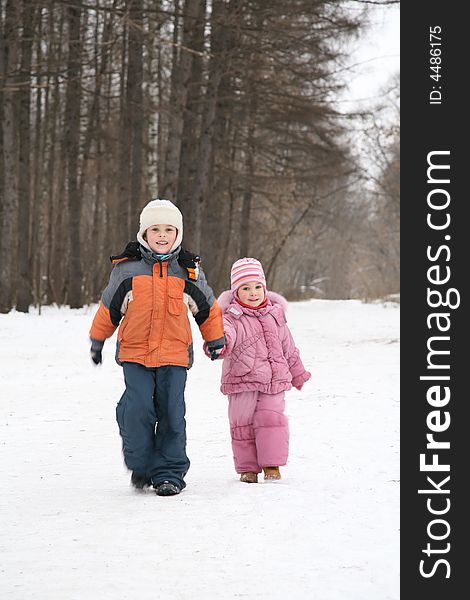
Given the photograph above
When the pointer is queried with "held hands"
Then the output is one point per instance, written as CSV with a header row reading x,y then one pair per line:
x,y
95,351
214,350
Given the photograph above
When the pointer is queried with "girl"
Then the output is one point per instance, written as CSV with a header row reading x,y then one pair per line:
x,y
261,362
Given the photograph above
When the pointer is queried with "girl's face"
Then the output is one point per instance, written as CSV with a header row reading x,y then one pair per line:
x,y
251,293
161,238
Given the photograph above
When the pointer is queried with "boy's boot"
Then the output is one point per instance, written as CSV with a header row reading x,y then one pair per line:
x,y
271,473
167,488
139,482
249,477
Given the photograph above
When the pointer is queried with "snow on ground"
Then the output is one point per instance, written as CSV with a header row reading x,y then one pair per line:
x,y
72,528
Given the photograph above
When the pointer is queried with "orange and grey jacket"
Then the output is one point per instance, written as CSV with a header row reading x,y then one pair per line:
x,y
151,297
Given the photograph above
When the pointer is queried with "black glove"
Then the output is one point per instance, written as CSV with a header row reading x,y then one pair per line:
x,y
215,349
95,351
96,356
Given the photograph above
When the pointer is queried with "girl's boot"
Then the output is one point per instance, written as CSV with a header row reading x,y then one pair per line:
x,y
249,477
271,473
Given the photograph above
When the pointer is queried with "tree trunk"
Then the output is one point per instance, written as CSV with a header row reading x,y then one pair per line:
x,y
2,76
223,24
24,297
249,150
135,95
153,101
178,99
72,149
160,125
227,142
38,158
91,176
189,155
94,111
54,188
122,213
9,231
245,221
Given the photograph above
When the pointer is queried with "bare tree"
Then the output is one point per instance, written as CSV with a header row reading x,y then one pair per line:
x,y
134,92
72,150
9,232
24,293
178,99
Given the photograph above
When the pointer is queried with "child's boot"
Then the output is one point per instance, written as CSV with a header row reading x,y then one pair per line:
x,y
139,482
249,477
271,473
167,488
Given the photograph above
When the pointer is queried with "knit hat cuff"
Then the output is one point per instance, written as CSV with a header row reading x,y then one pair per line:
x,y
249,279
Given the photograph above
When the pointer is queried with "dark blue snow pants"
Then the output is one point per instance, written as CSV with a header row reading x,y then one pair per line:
x,y
151,422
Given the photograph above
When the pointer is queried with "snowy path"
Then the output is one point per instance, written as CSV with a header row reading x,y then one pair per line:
x,y
71,527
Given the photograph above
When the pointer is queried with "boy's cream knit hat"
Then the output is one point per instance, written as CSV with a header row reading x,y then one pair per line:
x,y
160,212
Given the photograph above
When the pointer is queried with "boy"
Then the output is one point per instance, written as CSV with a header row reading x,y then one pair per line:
x,y
151,285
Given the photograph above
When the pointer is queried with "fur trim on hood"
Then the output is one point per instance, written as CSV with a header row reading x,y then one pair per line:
x,y
226,298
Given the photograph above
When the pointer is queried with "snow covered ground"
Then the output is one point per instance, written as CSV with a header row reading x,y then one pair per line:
x,y
72,528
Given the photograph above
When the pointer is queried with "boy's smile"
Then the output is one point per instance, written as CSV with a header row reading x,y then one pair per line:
x,y
161,238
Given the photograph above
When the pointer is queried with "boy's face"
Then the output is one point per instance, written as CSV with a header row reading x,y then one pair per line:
x,y
251,293
161,238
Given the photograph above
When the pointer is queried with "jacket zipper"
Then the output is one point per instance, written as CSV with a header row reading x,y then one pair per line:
x,y
164,311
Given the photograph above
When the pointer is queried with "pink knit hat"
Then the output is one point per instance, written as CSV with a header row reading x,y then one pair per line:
x,y
245,270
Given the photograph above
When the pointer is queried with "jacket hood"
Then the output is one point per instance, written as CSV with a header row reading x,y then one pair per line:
x,y
227,298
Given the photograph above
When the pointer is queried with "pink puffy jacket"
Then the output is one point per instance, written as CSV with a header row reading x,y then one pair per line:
x,y
260,353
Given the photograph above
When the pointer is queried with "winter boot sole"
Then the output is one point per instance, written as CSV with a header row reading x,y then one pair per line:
x,y
167,489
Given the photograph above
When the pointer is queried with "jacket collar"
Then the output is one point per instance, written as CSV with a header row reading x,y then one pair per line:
x,y
277,307
237,310
152,257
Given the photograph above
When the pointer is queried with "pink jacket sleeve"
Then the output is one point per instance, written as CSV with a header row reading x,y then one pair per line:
x,y
230,337
299,374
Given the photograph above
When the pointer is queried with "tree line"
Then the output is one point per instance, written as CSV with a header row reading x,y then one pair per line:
x,y
223,106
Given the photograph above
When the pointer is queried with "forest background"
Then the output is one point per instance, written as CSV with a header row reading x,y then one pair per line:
x,y
229,108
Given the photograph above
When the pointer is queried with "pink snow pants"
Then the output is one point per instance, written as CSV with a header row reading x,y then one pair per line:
x,y
259,430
